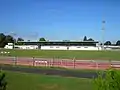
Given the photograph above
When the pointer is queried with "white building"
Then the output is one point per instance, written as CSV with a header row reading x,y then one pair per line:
x,y
10,46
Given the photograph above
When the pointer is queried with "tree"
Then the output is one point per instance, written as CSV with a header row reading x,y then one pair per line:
x,y
85,38
2,40
20,39
90,39
107,43
118,43
28,40
9,39
5,39
2,37
66,40
42,39
110,81
3,82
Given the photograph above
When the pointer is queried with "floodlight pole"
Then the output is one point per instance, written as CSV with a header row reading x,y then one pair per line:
x,y
103,29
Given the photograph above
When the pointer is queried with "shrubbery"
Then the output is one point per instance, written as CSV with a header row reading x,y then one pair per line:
x,y
3,82
109,81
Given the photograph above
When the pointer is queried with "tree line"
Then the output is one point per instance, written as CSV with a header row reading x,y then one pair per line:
x,y
106,43
5,39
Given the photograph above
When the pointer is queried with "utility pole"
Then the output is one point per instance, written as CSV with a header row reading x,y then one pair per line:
x,y
103,30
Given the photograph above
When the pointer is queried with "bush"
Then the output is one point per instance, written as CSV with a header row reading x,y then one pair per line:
x,y
3,82
111,80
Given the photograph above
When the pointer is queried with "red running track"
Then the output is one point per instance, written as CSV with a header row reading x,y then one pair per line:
x,y
77,64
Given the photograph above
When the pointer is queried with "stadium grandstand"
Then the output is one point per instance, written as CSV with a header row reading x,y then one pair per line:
x,y
57,45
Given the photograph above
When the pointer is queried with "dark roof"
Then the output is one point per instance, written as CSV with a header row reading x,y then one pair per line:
x,y
59,41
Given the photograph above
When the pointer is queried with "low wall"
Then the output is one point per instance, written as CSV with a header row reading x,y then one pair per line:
x,y
26,46
69,48
53,48
83,48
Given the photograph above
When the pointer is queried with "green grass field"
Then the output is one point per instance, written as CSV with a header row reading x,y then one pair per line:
x,y
25,81
110,55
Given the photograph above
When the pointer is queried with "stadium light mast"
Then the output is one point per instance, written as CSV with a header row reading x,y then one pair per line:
x,y
103,30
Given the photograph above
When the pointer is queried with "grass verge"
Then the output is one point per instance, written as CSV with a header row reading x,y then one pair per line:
x,y
25,81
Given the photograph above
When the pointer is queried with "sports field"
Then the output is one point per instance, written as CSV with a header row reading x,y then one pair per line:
x,y
25,81
100,55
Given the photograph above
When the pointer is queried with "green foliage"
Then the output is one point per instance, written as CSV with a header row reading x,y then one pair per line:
x,y
42,39
20,39
107,43
118,42
9,39
85,38
3,82
4,39
111,81
90,39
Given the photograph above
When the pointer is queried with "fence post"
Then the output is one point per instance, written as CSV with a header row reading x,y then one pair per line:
x,y
58,62
61,63
110,63
50,63
65,62
96,65
15,60
74,62
53,62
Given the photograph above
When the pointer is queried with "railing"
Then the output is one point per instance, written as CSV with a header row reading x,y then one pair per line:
x,y
57,62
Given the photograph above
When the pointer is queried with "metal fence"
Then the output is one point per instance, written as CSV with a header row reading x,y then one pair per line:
x,y
63,63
